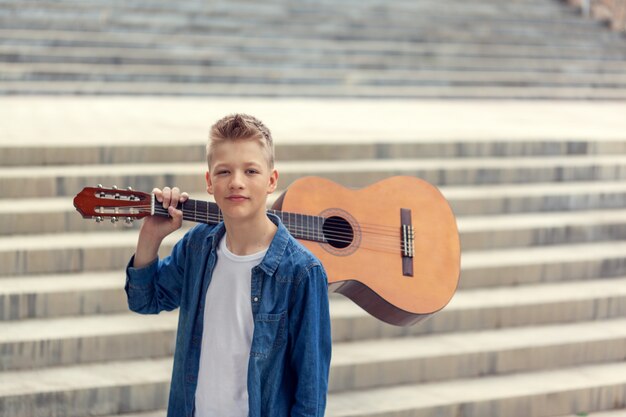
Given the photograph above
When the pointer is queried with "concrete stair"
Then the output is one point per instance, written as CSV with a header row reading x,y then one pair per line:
x,y
427,49
536,328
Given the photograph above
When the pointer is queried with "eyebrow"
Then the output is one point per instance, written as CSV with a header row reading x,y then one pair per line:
x,y
227,165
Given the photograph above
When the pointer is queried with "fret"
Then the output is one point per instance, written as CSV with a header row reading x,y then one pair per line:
x,y
318,229
289,223
301,226
298,224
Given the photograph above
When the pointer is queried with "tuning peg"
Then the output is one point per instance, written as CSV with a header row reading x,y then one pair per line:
x,y
129,220
129,188
114,219
98,219
114,187
100,186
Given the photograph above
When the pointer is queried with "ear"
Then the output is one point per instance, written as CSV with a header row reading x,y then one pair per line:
x,y
273,183
209,184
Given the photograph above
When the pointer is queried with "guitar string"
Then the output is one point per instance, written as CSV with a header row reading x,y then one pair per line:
x,y
392,244
367,241
393,230
334,233
371,226
337,231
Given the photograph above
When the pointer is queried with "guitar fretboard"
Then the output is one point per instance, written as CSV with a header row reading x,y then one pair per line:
x,y
301,226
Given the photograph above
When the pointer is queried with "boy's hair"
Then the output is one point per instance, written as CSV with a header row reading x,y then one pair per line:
x,y
240,126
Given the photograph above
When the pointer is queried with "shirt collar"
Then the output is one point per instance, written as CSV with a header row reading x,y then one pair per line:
x,y
274,252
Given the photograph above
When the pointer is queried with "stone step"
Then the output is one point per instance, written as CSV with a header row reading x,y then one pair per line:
x,y
72,252
101,121
538,229
134,386
49,296
50,215
55,71
318,91
332,27
77,252
422,29
163,413
189,45
249,4
351,68
293,149
592,207
58,215
54,181
369,11
541,264
391,362
504,35
540,394
521,198
494,308
100,389
399,17
611,413
34,344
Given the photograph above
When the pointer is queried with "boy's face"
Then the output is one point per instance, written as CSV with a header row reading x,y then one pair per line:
x,y
240,179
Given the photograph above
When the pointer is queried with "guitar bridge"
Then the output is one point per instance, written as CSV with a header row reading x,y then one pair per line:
x,y
408,238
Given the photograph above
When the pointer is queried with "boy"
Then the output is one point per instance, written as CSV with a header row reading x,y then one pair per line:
x,y
254,325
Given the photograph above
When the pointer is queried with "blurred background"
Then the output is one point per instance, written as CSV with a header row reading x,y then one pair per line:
x,y
515,109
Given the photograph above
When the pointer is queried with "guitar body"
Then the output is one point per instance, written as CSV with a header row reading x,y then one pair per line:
x,y
366,264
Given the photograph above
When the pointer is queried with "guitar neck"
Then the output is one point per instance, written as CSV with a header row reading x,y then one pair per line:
x,y
301,226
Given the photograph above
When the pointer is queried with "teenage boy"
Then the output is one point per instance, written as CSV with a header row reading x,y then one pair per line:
x,y
254,325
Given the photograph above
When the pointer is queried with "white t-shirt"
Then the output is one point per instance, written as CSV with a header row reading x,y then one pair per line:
x,y
222,389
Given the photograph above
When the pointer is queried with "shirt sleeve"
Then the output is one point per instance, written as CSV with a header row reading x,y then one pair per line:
x,y
157,286
309,328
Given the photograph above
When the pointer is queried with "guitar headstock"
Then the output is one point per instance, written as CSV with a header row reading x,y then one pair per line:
x,y
99,203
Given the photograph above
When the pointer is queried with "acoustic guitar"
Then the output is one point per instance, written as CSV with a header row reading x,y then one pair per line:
x,y
392,247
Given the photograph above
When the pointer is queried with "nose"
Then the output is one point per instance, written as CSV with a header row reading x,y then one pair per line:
x,y
235,181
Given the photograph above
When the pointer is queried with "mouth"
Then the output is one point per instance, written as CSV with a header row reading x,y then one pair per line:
x,y
236,198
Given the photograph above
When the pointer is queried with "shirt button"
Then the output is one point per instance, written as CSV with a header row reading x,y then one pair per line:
x,y
256,299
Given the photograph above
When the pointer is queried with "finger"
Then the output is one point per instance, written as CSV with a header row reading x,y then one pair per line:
x,y
184,197
176,214
175,196
167,196
158,194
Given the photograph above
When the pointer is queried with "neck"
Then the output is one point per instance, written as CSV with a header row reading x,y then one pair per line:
x,y
249,236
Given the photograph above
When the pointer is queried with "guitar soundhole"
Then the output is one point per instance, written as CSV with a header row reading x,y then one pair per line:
x,y
338,232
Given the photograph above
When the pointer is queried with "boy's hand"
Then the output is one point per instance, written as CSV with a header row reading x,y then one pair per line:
x,y
155,228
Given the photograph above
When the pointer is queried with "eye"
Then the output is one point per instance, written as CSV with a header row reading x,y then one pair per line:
x,y
222,172
252,171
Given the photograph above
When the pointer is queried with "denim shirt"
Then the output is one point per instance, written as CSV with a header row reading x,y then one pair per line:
x,y
289,360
